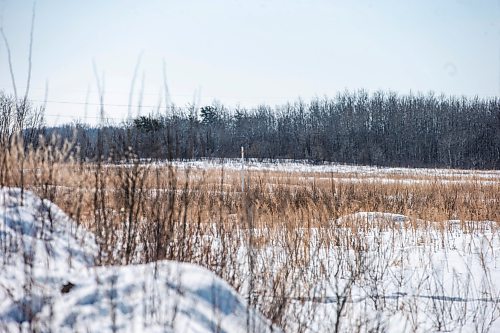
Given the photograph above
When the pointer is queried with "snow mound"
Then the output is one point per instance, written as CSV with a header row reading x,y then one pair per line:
x,y
42,234
48,282
162,297
372,219
40,246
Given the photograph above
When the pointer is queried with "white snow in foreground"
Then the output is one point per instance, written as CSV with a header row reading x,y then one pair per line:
x,y
405,276
418,278
42,250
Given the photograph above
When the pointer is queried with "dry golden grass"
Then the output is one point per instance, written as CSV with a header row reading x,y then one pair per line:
x,y
214,195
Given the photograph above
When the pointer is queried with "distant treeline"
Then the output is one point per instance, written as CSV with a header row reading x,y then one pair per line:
x,y
384,129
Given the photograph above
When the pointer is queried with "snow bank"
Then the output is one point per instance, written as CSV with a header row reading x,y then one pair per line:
x,y
40,247
372,219
48,282
162,297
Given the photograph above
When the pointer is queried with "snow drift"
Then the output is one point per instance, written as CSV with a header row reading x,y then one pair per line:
x,y
48,282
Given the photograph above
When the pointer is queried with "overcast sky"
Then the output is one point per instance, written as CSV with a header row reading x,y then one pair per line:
x,y
248,52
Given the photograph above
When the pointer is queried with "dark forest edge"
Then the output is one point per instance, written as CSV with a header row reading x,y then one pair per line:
x,y
385,129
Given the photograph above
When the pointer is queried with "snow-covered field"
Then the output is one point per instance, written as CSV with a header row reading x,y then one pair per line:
x,y
388,274
306,167
48,282
367,272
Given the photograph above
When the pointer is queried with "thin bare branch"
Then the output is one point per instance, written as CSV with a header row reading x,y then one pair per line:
x,y
30,54
9,59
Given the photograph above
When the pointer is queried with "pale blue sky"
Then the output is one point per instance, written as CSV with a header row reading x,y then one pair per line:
x,y
250,52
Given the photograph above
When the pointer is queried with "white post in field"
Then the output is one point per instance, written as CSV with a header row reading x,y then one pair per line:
x,y
242,169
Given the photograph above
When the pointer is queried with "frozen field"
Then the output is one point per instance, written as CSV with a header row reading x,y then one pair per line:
x,y
354,173
369,271
381,272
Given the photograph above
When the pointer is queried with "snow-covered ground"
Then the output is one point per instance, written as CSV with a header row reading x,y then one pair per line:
x,y
409,276
369,272
376,272
48,282
348,173
306,166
